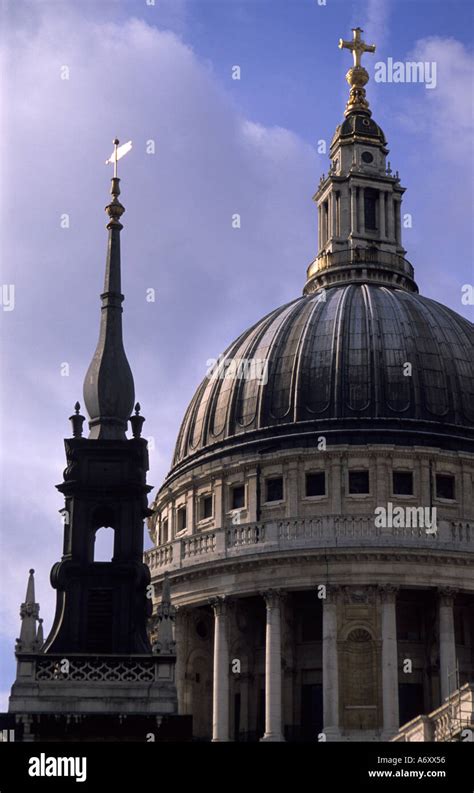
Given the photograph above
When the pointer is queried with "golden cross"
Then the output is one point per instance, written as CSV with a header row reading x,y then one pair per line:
x,y
357,46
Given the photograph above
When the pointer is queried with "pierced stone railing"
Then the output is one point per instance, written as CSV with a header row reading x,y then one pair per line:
x,y
198,544
96,670
326,531
248,534
161,556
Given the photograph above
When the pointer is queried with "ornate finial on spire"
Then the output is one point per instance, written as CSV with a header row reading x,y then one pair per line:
x,y
165,616
29,611
357,76
136,422
77,421
108,385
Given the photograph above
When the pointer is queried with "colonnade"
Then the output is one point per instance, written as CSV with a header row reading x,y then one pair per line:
x,y
274,727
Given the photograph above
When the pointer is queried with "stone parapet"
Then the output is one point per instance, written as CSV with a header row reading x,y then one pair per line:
x,y
327,531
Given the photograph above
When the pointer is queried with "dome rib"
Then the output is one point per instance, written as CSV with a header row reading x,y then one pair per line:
x,y
298,385
335,366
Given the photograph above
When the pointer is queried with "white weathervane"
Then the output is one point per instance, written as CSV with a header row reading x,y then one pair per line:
x,y
118,153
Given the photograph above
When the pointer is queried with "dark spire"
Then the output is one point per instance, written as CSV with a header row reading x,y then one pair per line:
x,y
136,422
29,611
108,386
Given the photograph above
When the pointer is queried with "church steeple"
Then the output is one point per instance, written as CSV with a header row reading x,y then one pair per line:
x,y
359,201
109,392
30,639
95,676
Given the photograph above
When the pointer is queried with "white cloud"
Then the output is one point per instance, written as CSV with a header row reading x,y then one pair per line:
x,y
135,81
376,24
445,114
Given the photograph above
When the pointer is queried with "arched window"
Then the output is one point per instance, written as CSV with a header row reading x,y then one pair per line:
x,y
103,544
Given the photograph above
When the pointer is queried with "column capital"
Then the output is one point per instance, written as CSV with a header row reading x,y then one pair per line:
x,y
273,598
446,595
219,605
388,593
333,592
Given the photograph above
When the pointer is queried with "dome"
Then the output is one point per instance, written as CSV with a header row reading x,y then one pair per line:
x,y
357,362
360,125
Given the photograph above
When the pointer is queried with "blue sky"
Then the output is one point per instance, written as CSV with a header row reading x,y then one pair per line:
x,y
163,72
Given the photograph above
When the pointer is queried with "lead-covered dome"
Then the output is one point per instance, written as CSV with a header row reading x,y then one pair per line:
x,y
358,362
361,358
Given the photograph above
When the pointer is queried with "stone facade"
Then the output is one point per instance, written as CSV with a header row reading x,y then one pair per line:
x,y
342,648
317,523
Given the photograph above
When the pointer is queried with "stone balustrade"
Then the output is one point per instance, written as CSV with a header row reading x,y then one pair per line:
x,y
453,721
326,531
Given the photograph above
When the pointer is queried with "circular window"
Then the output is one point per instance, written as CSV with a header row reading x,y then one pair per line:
x,y
367,156
366,122
201,629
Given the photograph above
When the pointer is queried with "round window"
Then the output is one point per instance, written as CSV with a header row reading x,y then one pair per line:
x,y
367,156
201,629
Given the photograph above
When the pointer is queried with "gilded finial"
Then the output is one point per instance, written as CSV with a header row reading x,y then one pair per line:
x,y
357,76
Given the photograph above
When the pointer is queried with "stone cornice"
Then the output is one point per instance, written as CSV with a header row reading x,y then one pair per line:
x,y
240,565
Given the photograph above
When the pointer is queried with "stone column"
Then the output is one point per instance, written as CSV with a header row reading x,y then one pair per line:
x,y
382,487
191,511
353,210
292,490
273,708
220,700
180,627
252,495
360,210
344,212
388,595
391,217
330,665
334,486
218,504
447,643
467,494
333,215
382,213
397,205
425,487
319,229
172,528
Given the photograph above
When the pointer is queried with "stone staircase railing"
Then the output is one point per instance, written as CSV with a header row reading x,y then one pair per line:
x,y
452,721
